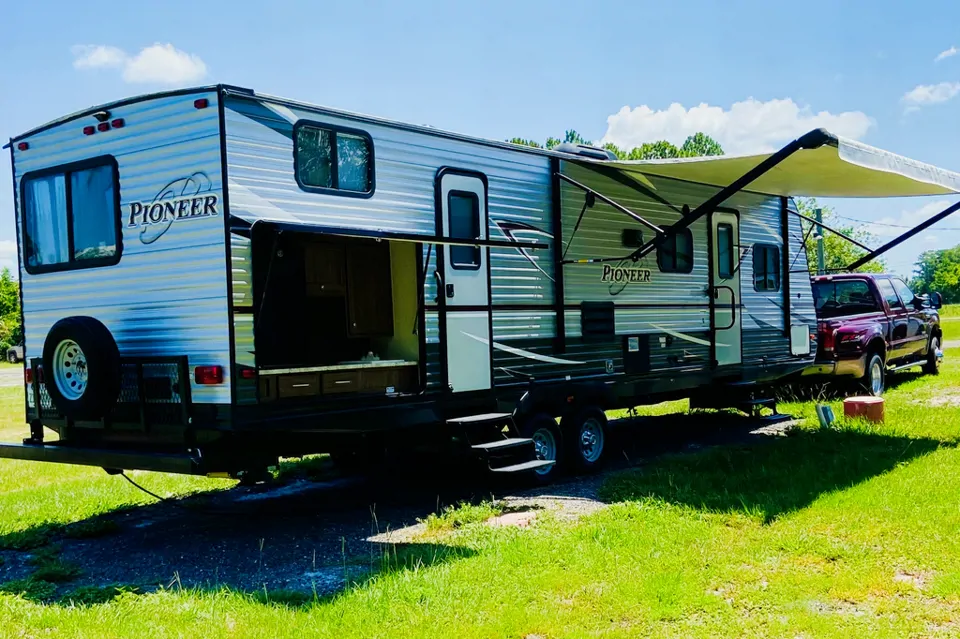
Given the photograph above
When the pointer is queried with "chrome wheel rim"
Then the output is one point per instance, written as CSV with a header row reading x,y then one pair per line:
x,y
70,370
937,353
545,445
876,377
591,440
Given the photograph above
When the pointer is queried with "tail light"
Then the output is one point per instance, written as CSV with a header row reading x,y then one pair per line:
x,y
28,375
248,373
208,375
828,338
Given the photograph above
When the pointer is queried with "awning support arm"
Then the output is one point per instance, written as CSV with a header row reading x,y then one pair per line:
x,y
871,255
600,196
812,140
832,230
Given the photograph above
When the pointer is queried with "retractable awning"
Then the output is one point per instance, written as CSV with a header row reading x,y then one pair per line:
x,y
839,167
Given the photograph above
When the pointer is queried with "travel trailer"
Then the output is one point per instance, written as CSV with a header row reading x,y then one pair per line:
x,y
214,278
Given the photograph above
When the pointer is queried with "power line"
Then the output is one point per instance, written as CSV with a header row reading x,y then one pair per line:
x,y
887,224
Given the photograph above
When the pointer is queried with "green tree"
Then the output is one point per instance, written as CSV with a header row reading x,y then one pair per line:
x,y
11,331
696,145
838,252
938,271
700,145
525,142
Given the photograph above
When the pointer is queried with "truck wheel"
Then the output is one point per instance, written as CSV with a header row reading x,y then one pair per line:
x,y
81,366
934,356
875,375
547,441
586,437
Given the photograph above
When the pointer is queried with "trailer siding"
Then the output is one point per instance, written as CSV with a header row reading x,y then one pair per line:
x,y
165,298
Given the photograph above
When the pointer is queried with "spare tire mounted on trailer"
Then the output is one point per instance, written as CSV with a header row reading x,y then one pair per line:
x,y
81,364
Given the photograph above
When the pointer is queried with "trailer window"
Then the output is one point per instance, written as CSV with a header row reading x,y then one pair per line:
x,y
766,267
463,209
675,253
333,160
725,251
71,216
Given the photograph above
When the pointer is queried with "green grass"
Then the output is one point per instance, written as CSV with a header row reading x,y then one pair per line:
x,y
460,515
847,532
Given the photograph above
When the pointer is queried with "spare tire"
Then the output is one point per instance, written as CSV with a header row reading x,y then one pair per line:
x,y
81,366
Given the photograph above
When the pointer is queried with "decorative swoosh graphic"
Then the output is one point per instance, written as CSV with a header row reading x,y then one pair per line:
x,y
511,230
689,338
522,353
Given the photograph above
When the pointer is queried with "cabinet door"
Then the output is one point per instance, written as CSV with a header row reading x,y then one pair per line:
x,y
369,290
324,269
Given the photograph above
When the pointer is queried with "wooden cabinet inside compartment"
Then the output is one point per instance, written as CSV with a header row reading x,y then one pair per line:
x,y
324,266
369,290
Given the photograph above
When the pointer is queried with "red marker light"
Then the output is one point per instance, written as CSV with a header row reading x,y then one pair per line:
x,y
28,375
89,130
23,146
118,123
208,375
103,126
248,373
201,103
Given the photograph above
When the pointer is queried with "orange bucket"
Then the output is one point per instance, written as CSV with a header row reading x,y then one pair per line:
x,y
869,408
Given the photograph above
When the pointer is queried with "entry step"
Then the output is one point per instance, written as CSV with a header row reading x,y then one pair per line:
x,y
500,444
525,466
485,418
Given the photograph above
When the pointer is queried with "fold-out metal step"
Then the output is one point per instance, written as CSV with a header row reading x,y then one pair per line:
x,y
525,466
484,418
501,444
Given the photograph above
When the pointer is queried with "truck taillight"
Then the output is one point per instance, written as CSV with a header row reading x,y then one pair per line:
x,y
828,338
28,375
207,375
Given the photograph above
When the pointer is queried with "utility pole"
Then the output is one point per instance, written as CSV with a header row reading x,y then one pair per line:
x,y
821,262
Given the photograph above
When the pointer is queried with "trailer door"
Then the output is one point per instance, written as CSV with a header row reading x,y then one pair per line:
x,y
465,281
725,287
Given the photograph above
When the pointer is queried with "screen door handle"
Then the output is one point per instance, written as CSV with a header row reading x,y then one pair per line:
x,y
449,290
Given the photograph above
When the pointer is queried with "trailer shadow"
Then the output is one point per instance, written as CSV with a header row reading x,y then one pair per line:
x,y
309,539
838,389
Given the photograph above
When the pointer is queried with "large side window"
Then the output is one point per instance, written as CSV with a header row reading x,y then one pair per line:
x,y
71,216
335,160
675,253
766,267
889,294
463,209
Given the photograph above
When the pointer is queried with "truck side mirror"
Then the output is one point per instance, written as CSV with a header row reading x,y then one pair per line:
x,y
936,300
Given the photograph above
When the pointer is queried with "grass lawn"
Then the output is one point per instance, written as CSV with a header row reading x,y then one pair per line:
x,y
851,532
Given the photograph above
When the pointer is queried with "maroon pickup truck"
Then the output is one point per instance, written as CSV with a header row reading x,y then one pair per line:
x,y
869,325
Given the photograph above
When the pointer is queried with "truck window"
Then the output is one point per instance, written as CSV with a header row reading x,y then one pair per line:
x,y
889,294
71,216
843,297
906,295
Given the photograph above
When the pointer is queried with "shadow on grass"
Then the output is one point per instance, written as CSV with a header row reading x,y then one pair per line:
x,y
767,481
834,389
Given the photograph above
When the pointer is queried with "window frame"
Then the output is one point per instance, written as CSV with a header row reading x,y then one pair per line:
x,y
907,304
689,235
475,199
886,301
734,250
767,247
334,159
72,263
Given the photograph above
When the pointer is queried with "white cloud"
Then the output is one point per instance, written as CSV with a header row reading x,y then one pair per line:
x,y
891,226
8,256
924,94
750,126
943,55
156,64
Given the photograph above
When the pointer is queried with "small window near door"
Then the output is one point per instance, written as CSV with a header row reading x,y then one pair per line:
x,y
463,213
725,251
330,159
675,253
766,267
889,294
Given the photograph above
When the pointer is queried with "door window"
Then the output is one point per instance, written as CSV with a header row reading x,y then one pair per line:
x,y
463,212
906,295
725,263
889,294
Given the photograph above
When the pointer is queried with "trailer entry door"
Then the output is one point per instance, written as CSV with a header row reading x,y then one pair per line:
x,y
465,279
725,287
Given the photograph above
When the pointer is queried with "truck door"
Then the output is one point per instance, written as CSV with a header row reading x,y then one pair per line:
x,y
725,287
916,338
897,342
464,287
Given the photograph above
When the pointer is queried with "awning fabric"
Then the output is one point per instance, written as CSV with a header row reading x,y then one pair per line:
x,y
840,168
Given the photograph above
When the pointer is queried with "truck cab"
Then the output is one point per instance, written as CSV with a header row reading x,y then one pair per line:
x,y
872,324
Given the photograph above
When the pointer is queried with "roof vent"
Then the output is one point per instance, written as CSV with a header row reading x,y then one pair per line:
x,y
586,151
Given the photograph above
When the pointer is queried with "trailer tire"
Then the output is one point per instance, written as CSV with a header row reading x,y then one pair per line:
x,y
586,437
547,438
81,364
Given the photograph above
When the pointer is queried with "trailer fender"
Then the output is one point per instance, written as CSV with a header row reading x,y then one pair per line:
x,y
563,399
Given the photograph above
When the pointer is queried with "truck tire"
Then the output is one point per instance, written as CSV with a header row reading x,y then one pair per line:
x,y
932,365
547,438
81,365
585,434
875,376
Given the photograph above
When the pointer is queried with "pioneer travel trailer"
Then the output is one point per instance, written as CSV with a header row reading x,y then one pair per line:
x,y
214,278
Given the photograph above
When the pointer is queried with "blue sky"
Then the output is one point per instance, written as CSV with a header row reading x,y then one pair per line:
x,y
763,71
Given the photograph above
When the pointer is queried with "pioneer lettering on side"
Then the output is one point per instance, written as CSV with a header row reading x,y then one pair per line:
x,y
625,274
183,199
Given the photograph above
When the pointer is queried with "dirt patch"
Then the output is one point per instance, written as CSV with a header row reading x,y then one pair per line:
x,y
939,401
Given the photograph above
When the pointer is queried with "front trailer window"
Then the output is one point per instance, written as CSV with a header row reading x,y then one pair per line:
x,y
71,216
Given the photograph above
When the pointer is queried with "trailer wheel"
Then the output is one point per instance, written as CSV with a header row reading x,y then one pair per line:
x,y
586,437
547,441
81,365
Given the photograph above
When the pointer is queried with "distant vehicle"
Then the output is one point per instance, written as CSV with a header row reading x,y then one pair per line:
x,y
870,325
15,354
